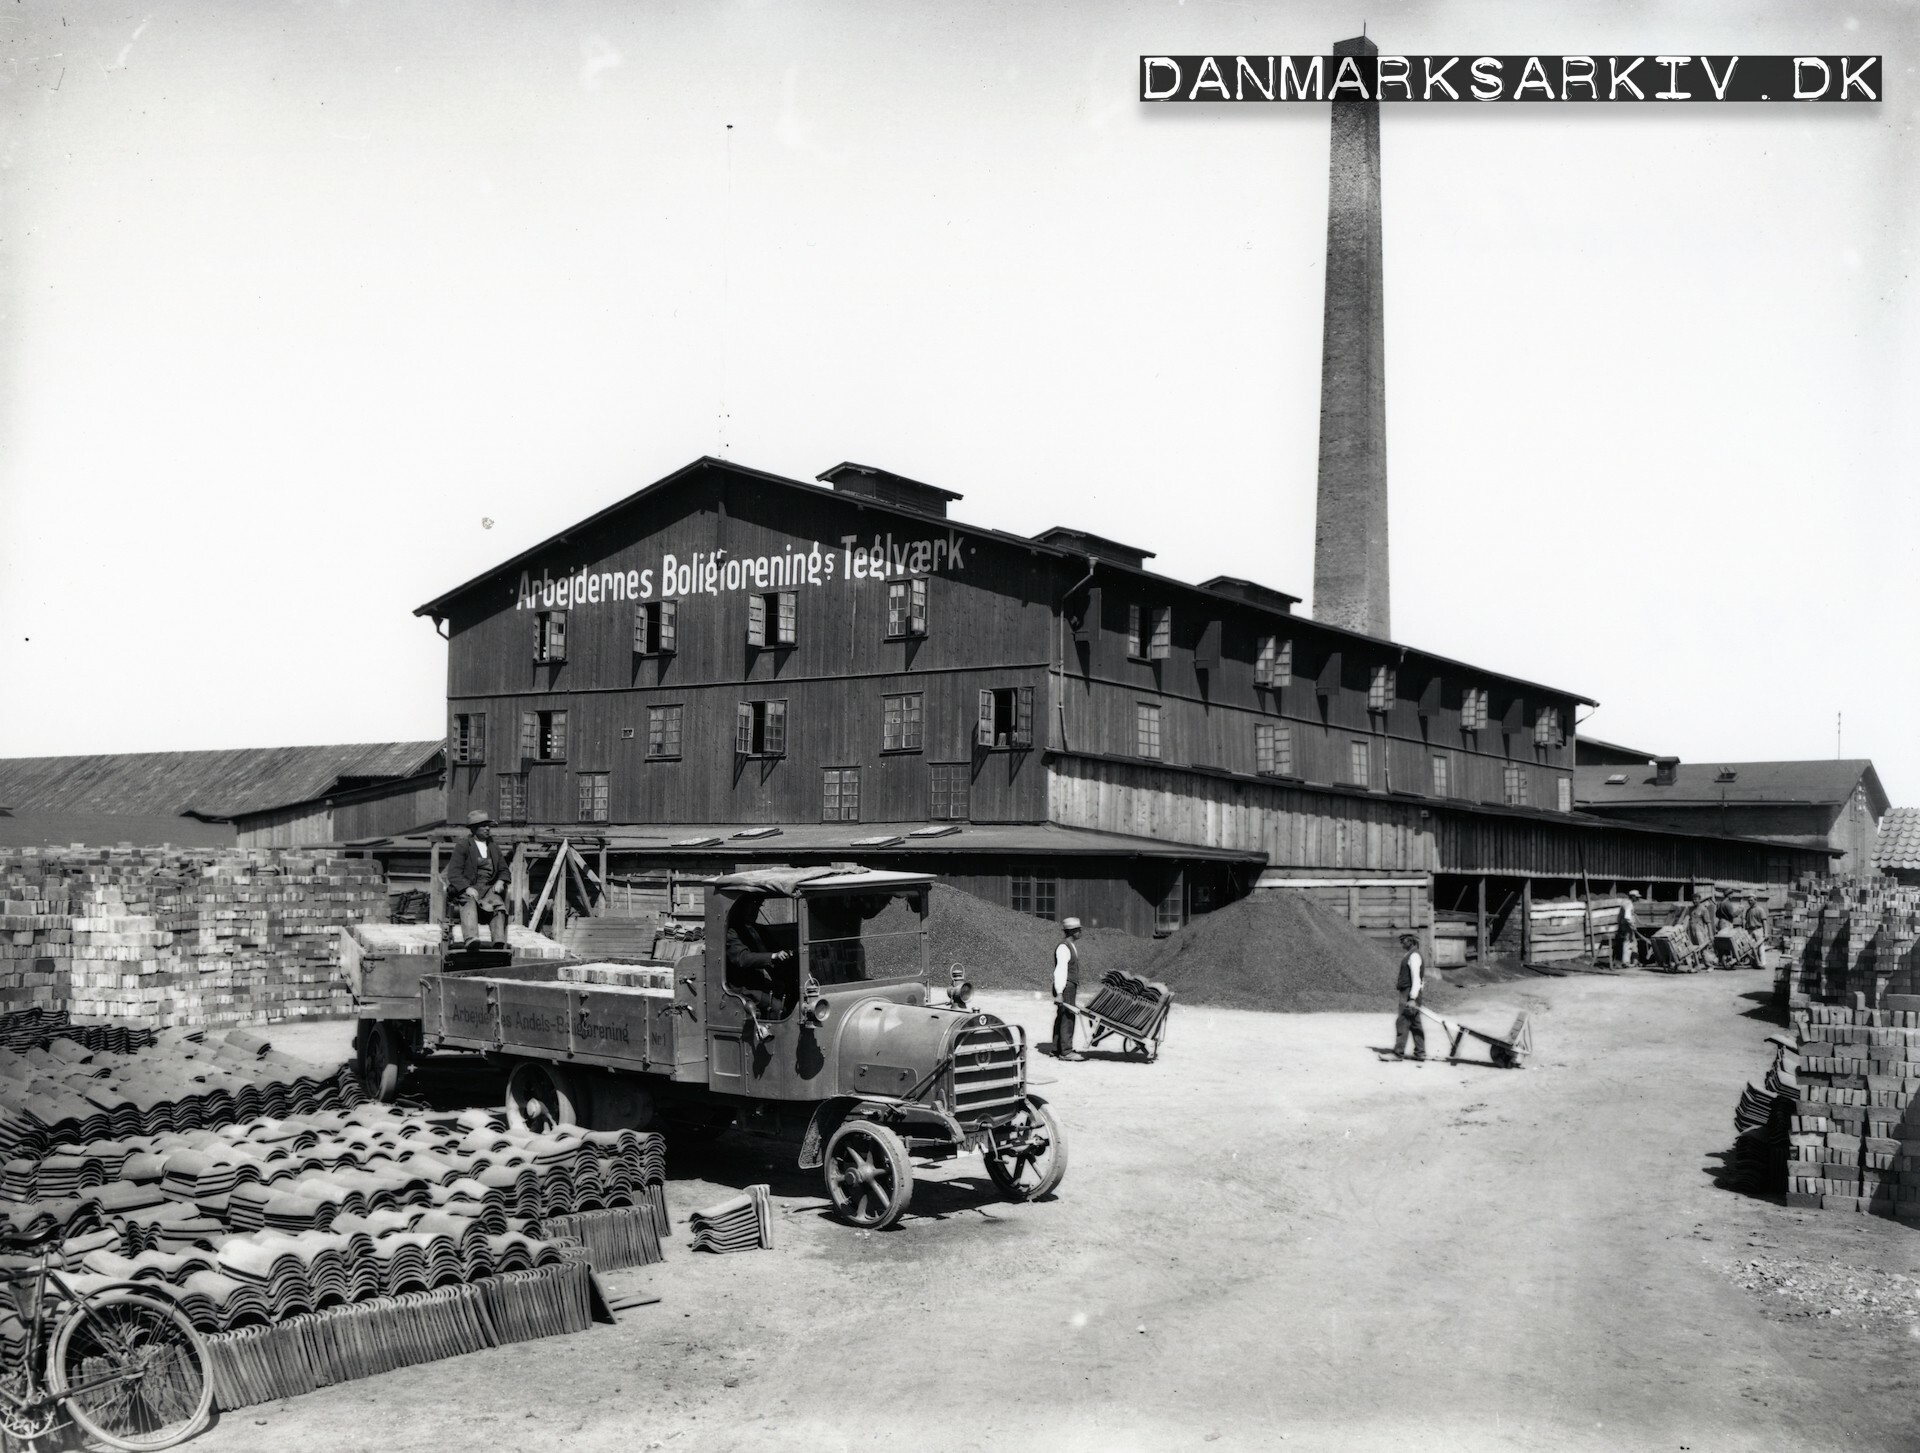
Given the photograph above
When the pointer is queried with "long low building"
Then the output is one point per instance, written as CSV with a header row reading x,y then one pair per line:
x,y
729,650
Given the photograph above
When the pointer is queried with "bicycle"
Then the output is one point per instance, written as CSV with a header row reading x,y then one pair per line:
x,y
127,1368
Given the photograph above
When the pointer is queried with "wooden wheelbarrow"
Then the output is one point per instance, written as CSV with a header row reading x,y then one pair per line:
x,y
1509,1053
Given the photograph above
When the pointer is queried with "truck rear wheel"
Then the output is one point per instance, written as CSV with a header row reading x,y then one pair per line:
x,y
1027,1157
383,1057
541,1096
869,1178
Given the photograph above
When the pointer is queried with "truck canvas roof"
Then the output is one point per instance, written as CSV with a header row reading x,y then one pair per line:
x,y
791,882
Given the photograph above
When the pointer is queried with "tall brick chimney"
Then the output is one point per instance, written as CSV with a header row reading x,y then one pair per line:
x,y
1350,535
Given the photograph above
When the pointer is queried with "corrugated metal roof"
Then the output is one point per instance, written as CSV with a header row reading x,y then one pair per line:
x,y
1819,781
214,784
1899,844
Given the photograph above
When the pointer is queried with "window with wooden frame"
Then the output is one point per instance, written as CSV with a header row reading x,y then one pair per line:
x,y
1548,728
1442,776
1136,643
907,607
1005,718
1380,689
656,628
549,636
760,729
1146,729
1170,913
1473,709
510,797
663,732
1273,749
543,736
1515,785
772,618
1033,894
948,785
840,794
470,739
1273,664
901,719
592,796
1360,764
1160,643
1563,790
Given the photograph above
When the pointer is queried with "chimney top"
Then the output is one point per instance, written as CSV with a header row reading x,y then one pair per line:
x,y
1359,45
1664,770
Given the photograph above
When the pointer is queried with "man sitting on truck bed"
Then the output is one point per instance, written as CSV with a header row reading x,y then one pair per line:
x,y
759,973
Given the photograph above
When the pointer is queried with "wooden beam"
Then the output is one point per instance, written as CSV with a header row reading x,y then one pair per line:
x,y
1526,920
436,890
1480,938
553,876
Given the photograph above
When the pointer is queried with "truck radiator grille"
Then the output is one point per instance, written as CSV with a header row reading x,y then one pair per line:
x,y
988,1074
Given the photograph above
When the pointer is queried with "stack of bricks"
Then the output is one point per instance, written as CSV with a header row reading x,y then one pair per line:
x,y
172,937
1855,1141
1850,937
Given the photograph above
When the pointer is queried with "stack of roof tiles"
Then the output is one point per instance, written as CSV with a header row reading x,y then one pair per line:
x,y
378,1236
169,936
744,1223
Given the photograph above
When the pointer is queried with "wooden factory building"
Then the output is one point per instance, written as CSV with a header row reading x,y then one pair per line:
x,y
727,653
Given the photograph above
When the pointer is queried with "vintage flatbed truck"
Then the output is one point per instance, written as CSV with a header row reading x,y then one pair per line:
x,y
808,1019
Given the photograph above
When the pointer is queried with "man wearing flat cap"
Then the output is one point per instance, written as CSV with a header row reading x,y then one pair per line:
x,y
476,879
1412,984
1066,989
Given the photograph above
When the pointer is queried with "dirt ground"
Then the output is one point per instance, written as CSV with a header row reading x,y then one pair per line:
x,y
1268,1240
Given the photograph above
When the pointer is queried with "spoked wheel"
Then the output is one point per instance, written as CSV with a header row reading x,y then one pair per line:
x,y
541,1096
382,1058
1027,1157
869,1177
132,1373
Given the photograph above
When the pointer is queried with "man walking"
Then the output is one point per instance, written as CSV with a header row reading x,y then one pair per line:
x,y
1627,940
1412,983
1066,989
474,880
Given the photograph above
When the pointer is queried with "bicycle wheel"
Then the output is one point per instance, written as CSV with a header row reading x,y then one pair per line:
x,y
159,1389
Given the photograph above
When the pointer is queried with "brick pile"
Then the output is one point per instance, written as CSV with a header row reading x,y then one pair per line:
x,y
167,937
1848,937
1854,1142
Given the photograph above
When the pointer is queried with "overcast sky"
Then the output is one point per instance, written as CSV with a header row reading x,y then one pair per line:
x,y
314,310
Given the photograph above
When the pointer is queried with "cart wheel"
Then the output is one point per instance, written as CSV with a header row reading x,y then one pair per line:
x,y
1027,1157
869,1178
541,1096
382,1058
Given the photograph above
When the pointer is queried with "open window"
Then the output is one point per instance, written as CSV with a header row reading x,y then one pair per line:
x,y
543,736
549,636
907,607
655,628
772,619
1006,718
470,739
760,729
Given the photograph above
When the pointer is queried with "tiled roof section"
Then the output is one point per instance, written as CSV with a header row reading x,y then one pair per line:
x,y
1819,780
1899,844
217,784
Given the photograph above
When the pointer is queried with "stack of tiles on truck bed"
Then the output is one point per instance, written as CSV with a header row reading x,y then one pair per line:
x,y
310,1247
168,936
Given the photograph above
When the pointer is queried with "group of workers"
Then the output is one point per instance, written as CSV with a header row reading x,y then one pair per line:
x,y
1705,919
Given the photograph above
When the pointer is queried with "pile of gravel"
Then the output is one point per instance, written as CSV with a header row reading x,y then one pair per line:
x,y
1273,950
1001,949
1277,951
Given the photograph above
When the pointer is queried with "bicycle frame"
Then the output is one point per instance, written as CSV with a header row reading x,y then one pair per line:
x,y
39,1318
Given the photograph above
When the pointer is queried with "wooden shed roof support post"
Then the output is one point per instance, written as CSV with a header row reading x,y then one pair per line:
x,y
1480,912
436,890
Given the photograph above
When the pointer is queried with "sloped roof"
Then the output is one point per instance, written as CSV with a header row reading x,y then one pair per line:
x,y
1899,842
1821,781
212,784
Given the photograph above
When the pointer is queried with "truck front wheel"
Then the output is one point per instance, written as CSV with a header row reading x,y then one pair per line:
x,y
869,1178
1027,1157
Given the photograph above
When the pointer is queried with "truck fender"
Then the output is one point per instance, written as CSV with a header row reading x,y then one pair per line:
x,y
828,1118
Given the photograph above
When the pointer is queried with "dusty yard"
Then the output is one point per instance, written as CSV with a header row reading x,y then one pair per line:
x,y
1267,1240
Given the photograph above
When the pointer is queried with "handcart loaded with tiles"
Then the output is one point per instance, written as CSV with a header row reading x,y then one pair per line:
x,y
806,1018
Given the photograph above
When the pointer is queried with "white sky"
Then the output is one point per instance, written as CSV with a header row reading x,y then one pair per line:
x,y
295,297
